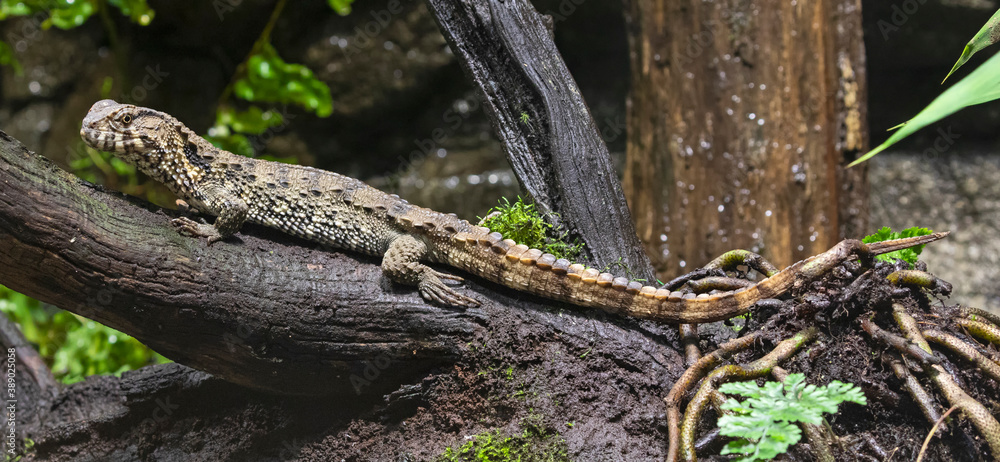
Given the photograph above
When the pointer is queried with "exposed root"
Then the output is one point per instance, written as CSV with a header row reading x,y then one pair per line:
x,y
689,338
708,389
901,344
920,279
691,377
711,283
730,260
975,314
948,386
985,331
912,361
963,349
923,399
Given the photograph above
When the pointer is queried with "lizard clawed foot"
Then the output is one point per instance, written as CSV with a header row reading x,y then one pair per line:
x,y
434,290
183,207
189,227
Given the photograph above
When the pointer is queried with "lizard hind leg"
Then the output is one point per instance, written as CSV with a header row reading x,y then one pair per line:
x,y
401,263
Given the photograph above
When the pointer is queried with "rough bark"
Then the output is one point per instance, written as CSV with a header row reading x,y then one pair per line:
x,y
268,312
741,118
548,134
257,312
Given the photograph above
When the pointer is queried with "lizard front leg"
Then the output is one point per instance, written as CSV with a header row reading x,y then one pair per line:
x,y
230,211
401,263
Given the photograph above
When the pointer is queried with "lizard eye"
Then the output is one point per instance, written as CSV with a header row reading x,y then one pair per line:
x,y
127,119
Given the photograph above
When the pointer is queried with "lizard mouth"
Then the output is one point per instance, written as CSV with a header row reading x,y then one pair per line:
x,y
100,139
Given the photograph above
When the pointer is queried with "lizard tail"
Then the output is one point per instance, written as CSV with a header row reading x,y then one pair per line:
x,y
535,272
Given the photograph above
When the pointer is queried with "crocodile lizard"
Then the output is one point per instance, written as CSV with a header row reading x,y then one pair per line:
x,y
343,212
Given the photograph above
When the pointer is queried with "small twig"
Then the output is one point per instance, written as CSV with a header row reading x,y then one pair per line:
x,y
927,440
901,344
924,400
263,39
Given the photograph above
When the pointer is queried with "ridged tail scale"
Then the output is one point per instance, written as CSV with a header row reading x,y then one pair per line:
x,y
532,271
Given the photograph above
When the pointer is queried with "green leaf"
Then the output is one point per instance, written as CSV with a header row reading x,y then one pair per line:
x,y
137,10
7,58
766,422
341,7
908,255
253,121
980,86
270,79
67,14
232,142
987,35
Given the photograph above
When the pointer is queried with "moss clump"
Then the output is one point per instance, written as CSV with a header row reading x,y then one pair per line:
x,y
522,223
535,443
907,255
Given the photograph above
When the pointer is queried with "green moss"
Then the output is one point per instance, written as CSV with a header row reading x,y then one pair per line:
x,y
908,255
523,223
534,443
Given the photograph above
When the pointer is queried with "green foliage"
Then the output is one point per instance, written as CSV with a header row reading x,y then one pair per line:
x,y
232,127
137,10
987,35
267,79
522,223
908,255
765,422
980,86
72,346
270,79
342,7
7,58
535,443
67,14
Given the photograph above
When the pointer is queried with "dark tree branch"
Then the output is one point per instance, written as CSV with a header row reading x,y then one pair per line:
x,y
265,310
271,313
267,314
543,123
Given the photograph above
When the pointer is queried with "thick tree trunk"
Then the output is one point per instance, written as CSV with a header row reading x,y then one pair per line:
x,y
741,118
547,131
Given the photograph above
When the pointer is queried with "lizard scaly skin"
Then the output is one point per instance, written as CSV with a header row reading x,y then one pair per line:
x,y
336,210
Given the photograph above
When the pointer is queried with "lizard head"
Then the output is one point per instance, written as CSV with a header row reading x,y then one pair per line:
x,y
152,141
